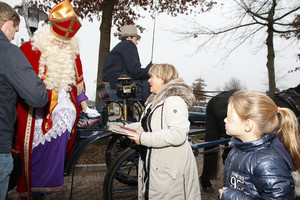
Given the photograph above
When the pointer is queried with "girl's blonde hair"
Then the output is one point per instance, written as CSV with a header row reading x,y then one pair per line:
x,y
166,72
269,117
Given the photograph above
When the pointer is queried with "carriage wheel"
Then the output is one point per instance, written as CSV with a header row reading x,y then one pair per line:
x,y
115,146
137,109
120,181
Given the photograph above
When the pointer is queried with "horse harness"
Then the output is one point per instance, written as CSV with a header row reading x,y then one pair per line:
x,y
290,101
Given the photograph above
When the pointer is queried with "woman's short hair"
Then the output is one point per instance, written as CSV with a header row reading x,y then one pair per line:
x,y
8,13
166,72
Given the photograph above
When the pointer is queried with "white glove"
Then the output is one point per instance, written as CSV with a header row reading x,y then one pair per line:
x,y
91,112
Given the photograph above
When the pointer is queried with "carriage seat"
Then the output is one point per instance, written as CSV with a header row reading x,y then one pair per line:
x,y
108,95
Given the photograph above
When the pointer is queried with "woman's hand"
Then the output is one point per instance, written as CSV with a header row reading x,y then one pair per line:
x,y
221,191
136,138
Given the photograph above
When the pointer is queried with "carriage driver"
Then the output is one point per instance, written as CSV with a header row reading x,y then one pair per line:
x,y
124,59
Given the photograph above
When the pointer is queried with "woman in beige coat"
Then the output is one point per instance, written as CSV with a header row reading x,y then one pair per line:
x,y
167,168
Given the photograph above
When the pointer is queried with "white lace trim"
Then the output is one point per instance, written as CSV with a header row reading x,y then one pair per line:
x,y
63,118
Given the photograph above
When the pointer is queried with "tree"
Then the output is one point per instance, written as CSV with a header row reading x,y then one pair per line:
x,y
274,17
233,84
199,93
295,70
122,12
296,25
296,34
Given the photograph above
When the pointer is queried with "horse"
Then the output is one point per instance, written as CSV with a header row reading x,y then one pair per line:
x,y
216,112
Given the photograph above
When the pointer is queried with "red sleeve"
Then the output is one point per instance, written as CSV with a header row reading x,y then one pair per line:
x,y
79,74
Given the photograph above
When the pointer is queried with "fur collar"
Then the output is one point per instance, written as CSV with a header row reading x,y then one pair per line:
x,y
176,87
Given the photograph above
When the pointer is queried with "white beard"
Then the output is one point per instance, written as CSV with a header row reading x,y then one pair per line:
x,y
58,63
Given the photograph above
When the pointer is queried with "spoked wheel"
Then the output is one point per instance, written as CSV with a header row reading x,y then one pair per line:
x,y
115,146
120,181
137,109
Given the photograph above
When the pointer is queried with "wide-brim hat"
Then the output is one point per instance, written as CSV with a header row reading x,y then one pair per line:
x,y
64,22
129,30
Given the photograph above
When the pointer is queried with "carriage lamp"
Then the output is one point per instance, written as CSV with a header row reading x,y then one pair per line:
x,y
32,17
126,88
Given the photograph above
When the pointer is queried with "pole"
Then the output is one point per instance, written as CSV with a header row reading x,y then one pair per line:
x,y
153,34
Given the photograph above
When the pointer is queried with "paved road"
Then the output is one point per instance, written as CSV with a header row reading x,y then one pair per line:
x,y
88,184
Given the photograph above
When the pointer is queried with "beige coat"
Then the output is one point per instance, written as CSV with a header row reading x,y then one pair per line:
x,y
173,171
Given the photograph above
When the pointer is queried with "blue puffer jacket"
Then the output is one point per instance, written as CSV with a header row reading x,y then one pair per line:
x,y
258,170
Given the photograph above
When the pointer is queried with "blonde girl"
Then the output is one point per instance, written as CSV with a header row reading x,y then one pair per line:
x,y
265,160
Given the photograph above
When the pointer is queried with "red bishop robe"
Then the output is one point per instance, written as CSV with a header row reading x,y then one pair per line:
x,y
25,120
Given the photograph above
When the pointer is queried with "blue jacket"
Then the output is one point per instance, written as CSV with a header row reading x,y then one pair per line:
x,y
258,170
123,59
17,78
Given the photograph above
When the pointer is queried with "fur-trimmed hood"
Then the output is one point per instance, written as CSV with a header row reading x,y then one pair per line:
x,y
176,87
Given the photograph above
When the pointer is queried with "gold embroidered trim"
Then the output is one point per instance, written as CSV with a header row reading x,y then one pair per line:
x,y
26,145
23,194
47,189
66,30
80,88
80,85
79,78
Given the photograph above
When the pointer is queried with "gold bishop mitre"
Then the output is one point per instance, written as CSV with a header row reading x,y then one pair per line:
x,y
64,22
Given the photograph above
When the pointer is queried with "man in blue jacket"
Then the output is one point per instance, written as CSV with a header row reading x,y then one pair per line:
x,y
17,78
124,59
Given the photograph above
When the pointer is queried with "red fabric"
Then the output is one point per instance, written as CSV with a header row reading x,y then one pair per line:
x,y
63,28
25,124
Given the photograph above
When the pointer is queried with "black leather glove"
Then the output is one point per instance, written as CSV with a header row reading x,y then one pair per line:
x,y
149,65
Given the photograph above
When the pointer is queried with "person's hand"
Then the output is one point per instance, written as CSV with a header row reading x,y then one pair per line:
x,y
135,138
221,191
149,65
91,112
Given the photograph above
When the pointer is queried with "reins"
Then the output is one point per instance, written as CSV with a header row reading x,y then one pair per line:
x,y
290,101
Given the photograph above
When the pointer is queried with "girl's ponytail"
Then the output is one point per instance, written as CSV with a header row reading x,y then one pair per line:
x,y
288,133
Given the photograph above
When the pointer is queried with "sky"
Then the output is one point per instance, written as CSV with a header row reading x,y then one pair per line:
x,y
248,63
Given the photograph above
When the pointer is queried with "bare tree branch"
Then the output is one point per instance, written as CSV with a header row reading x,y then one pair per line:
x,y
287,14
271,16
